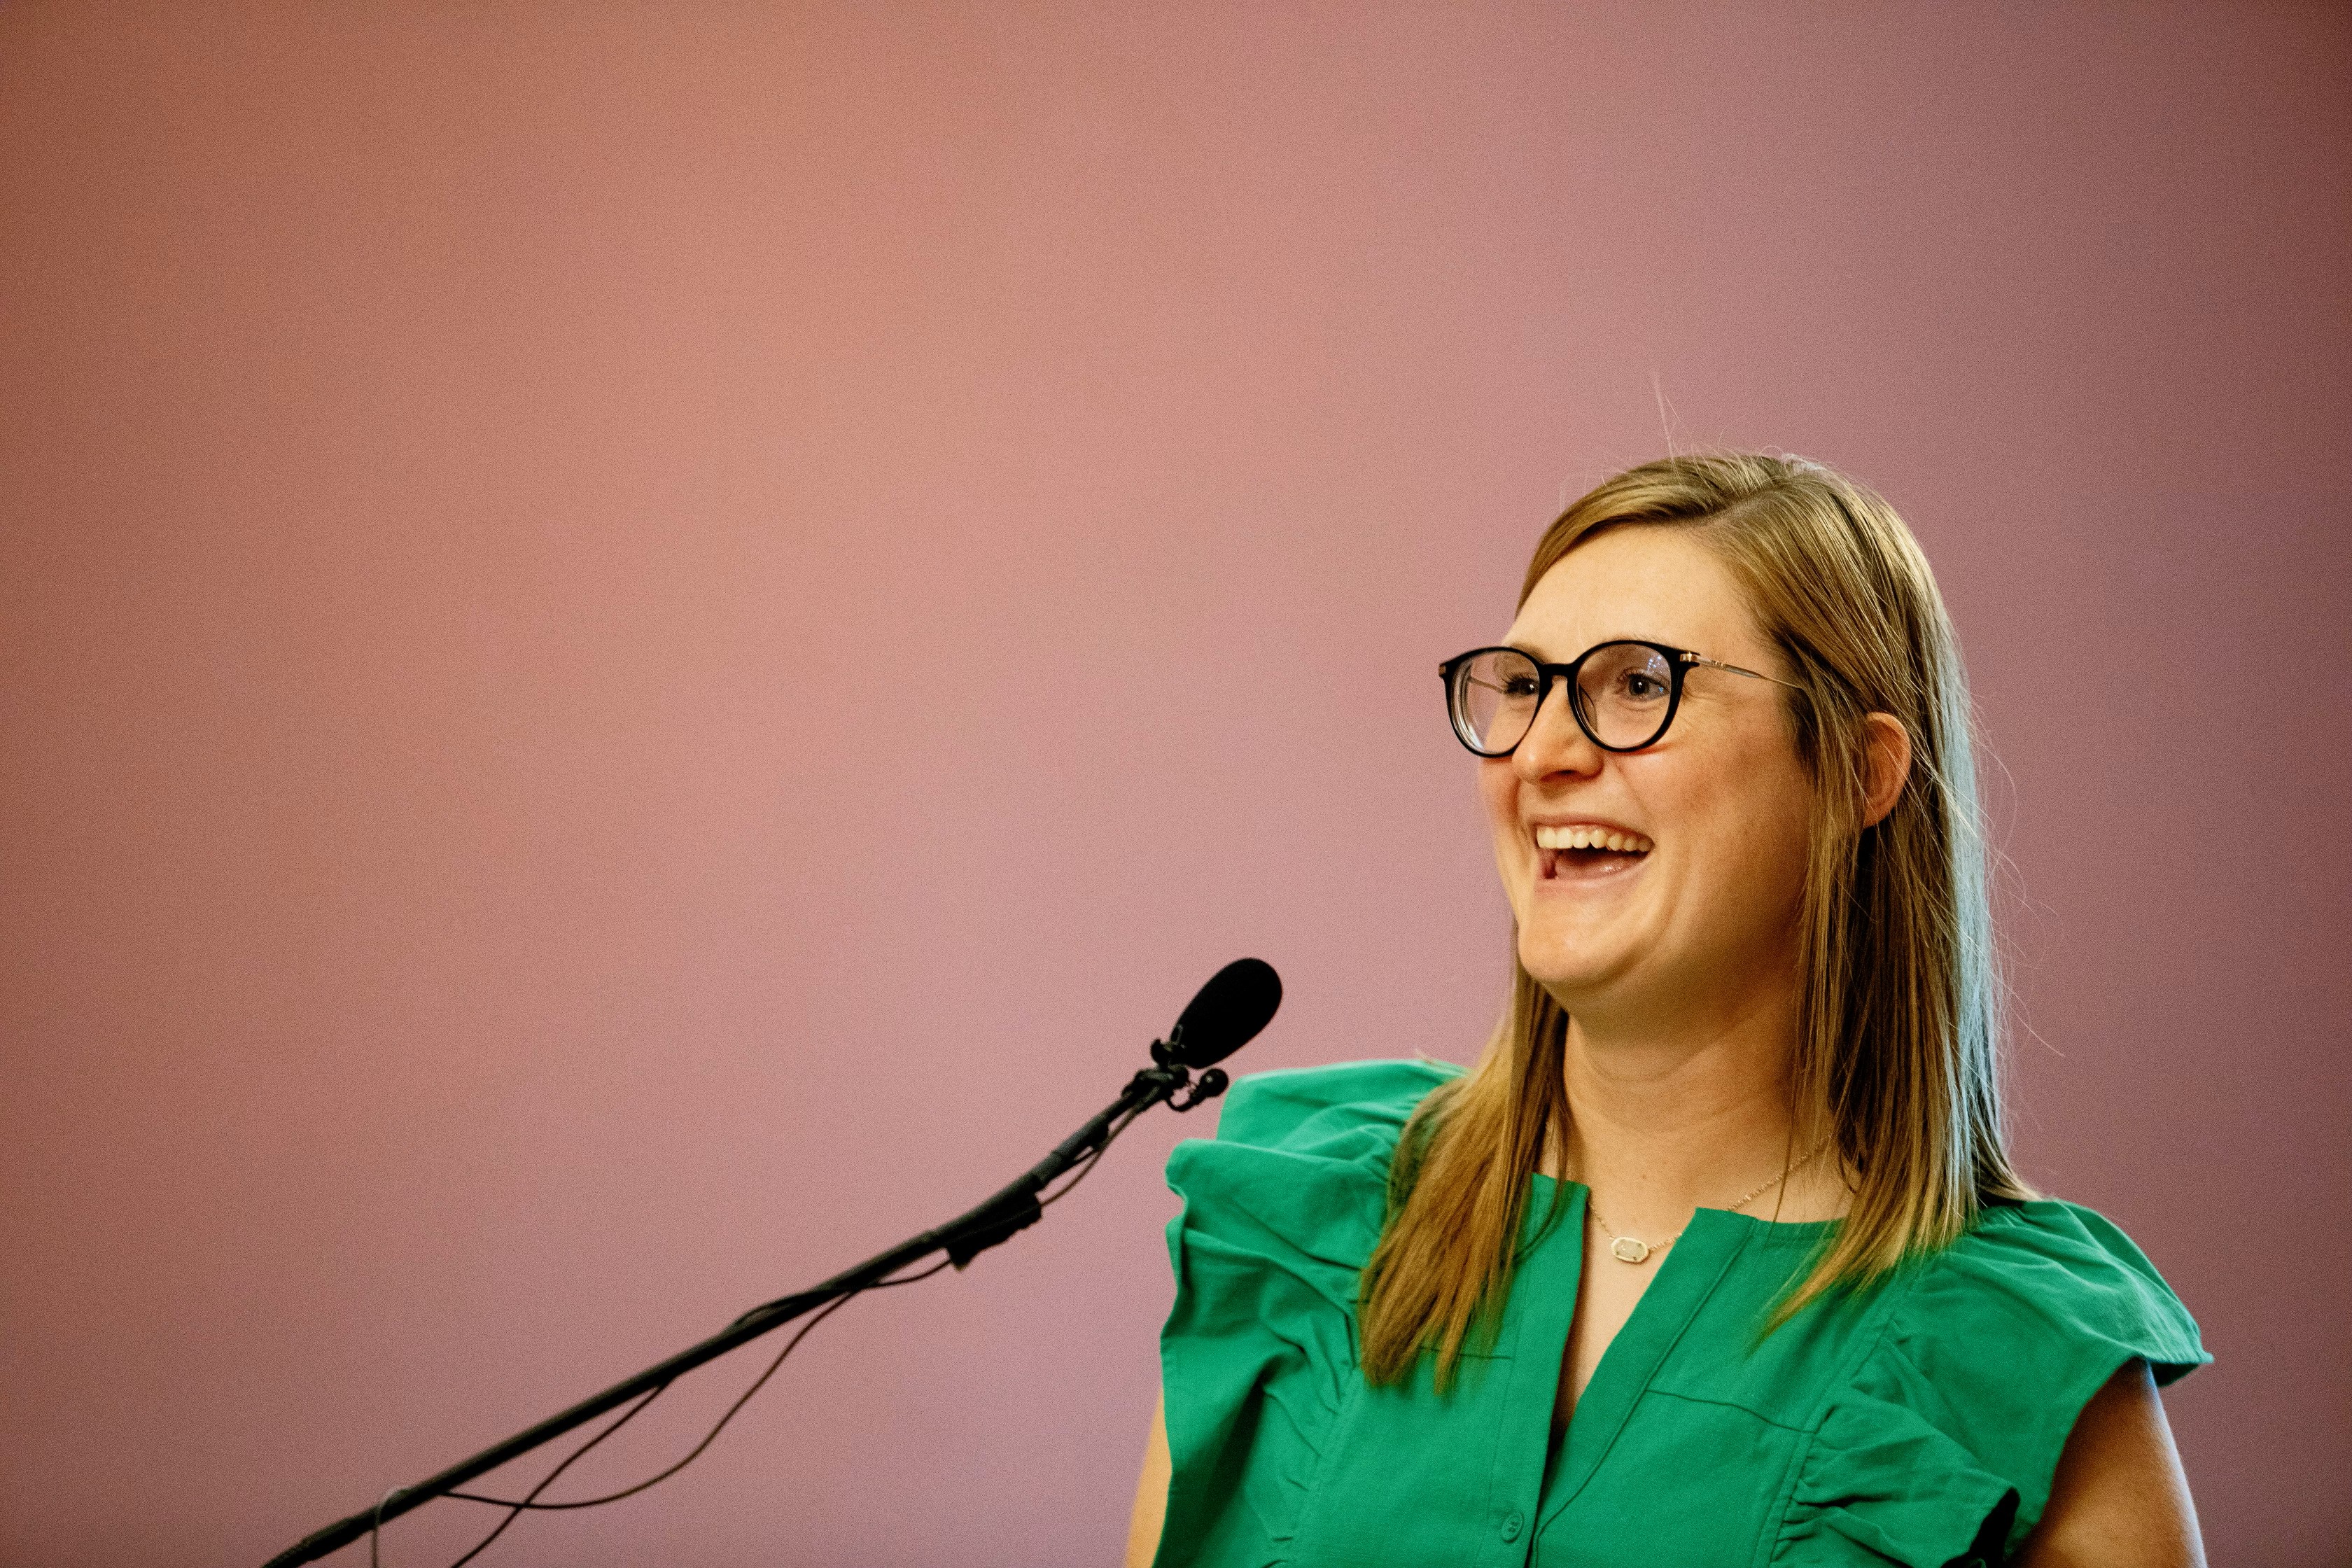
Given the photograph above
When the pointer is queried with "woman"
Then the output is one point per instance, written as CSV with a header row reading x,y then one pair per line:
x,y
1716,1257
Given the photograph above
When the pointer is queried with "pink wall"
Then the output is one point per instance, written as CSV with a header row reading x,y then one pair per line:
x,y
645,644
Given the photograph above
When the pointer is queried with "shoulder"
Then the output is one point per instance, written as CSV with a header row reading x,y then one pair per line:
x,y
1303,1155
1295,1180
2050,1279
1301,1108
1946,1436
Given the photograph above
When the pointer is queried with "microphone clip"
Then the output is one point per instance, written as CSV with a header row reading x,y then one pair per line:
x,y
1188,1091
1208,1086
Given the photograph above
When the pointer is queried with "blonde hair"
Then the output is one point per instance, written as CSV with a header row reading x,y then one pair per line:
x,y
1899,1027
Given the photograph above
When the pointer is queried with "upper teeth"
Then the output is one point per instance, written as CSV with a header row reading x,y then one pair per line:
x,y
1592,839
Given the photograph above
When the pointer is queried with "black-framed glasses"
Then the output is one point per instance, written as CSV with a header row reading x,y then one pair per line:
x,y
1623,693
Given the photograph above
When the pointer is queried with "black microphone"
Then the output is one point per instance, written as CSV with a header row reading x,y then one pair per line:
x,y
1224,1015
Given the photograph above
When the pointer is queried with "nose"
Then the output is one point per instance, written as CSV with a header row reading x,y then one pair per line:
x,y
1555,743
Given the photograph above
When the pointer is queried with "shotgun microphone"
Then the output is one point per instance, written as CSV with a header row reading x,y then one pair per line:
x,y
1224,1015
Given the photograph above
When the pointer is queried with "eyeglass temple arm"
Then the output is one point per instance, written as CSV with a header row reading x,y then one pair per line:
x,y
1757,674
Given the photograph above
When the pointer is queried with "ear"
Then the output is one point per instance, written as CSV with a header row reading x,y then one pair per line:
x,y
1888,761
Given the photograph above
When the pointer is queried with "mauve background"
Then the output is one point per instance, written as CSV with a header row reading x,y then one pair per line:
x,y
645,644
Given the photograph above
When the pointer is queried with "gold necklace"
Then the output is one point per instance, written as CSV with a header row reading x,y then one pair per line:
x,y
1634,1250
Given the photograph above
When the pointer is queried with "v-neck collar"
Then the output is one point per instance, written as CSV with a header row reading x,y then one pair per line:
x,y
1688,1274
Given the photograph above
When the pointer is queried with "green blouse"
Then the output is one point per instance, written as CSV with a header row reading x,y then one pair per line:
x,y
1917,1423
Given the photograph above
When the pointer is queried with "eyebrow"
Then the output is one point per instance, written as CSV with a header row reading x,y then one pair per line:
x,y
1588,647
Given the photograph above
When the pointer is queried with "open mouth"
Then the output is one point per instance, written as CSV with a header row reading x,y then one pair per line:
x,y
1588,853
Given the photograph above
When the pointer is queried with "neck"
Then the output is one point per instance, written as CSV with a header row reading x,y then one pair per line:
x,y
1666,1117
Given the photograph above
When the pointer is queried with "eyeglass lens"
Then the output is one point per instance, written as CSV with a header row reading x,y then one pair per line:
x,y
1622,694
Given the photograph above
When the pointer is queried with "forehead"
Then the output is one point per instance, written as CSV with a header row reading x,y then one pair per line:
x,y
1656,583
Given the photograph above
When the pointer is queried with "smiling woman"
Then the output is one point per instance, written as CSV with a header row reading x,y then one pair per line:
x,y
1536,1312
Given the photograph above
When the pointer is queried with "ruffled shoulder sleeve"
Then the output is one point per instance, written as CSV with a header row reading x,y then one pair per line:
x,y
1281,1211
1939,1448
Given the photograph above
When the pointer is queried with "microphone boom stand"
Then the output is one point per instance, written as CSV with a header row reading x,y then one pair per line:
x,y
966,1237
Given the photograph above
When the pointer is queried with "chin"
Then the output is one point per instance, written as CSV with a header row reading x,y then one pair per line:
x,y
1561,964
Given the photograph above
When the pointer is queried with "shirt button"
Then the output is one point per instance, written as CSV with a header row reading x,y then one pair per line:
x,y
1513,1523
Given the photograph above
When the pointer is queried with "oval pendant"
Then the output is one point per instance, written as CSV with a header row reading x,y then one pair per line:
x,y
1628,1250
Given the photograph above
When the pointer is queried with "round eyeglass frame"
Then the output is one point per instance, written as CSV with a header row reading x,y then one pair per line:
x,y
1679,662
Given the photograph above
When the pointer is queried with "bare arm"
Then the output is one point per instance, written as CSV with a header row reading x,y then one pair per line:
x,y
2119,1498
1150,1494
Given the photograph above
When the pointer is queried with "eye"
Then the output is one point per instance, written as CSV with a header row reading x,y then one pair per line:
x,y
1518,686
1644,686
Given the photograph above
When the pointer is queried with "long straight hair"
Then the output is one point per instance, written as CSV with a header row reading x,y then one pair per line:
x,y
1900,1016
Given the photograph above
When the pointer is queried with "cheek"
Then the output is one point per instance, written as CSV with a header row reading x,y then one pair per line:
x,y
1765,845
1498,794
1498,801
1748,811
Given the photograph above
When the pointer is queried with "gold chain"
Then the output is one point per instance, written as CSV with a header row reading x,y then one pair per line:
x,y
1634,1250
